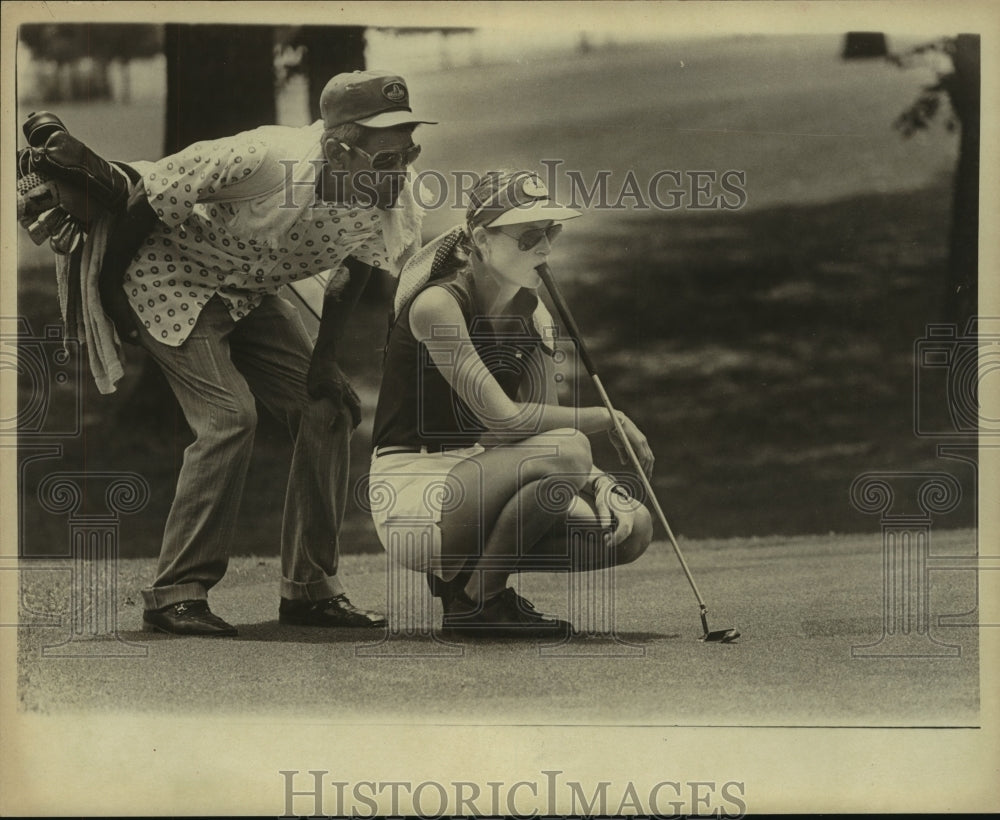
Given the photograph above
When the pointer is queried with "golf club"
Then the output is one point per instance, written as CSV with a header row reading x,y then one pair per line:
x,y
719,635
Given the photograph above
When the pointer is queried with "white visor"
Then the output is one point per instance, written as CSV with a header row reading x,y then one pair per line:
x,y
538,211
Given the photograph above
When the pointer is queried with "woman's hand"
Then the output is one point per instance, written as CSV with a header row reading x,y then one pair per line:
x,y
638,442
615,505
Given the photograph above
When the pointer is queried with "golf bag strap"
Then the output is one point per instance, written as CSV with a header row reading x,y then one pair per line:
x,y
127,236
134,177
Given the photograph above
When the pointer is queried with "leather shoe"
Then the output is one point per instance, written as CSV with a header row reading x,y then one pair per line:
x,y
505,615
332,612
187,618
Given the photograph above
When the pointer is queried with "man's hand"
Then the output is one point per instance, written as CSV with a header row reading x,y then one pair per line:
x,y
325,377
326,380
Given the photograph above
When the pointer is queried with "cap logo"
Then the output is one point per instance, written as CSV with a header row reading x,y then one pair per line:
x,y
534,187
394,92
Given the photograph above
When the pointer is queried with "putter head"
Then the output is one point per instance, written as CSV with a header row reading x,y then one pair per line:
x,y
721,635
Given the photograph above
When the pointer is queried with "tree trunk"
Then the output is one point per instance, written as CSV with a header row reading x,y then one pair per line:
x,y
220,81
331,50
961,301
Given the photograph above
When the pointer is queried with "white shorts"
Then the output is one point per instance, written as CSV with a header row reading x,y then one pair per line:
x,y
406,492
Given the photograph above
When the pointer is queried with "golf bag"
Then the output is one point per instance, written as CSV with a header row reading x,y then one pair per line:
x,y
60,181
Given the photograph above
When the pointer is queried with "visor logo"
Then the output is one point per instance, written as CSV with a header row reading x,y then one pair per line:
x,y
534,187
394,92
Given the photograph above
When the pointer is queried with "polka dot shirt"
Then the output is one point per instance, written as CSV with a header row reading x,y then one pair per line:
x,y
241,250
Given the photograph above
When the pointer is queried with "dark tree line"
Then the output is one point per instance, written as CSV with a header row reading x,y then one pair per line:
x,y
66,44
220,78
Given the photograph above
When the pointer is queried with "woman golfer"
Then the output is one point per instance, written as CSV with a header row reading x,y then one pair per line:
x,y
477,472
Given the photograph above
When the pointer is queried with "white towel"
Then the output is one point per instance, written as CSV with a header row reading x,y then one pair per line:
x,y
80,304
401,226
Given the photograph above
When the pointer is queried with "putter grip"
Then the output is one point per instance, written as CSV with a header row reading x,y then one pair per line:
x,y
546,275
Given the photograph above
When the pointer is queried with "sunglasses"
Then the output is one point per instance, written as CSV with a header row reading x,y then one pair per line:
x,y
531,237
386,160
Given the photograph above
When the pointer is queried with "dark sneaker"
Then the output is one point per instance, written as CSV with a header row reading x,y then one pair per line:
x,y
333,612
505,615
187,618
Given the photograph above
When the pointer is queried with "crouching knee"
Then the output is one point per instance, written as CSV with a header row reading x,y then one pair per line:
x,y
639,539
572,456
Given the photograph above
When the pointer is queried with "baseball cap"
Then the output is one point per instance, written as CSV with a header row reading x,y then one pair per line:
x,y
375,99
514,198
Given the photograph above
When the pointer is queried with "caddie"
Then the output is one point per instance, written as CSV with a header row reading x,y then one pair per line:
x,y
192,273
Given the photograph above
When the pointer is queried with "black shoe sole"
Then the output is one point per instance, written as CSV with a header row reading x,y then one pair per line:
x,y
286,620
148,627
560,631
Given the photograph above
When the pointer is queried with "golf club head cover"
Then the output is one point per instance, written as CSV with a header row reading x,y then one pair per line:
x,y
58,155
67,236
38,197
45,225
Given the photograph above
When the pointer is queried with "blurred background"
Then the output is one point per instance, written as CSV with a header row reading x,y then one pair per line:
x,y
765,348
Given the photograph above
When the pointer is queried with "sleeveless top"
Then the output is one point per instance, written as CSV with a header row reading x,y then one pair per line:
x,y
416,405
